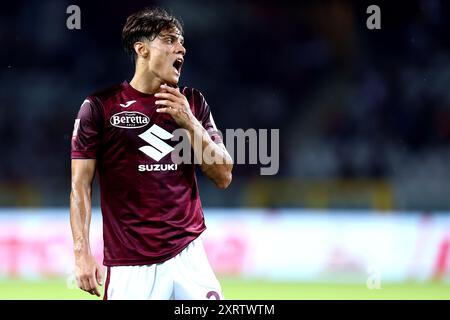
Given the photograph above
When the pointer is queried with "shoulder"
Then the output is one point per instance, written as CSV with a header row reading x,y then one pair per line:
x,y
101,96
192,93
93,106
197,101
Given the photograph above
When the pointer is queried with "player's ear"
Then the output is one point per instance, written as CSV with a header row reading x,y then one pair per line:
x,y
141,49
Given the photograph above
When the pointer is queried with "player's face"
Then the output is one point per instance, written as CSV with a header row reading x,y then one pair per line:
x,y
167,56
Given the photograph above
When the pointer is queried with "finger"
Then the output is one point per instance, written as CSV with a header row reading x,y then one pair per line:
x,y
166,103
99,275
168,96
175,91
93,286
94,292
167,110
84,285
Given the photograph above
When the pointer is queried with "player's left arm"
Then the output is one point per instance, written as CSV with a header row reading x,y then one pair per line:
x,y
215,161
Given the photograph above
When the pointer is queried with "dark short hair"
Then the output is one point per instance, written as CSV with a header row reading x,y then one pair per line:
x,y
147,24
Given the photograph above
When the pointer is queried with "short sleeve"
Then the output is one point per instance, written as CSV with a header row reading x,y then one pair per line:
x,y
206,119
87,131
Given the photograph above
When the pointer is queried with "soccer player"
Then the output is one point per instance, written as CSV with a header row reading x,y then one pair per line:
x,y
151,209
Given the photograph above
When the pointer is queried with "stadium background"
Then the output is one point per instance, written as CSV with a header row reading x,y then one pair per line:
x,y
359,208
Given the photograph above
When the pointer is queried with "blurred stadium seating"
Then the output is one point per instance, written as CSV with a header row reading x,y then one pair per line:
x,y
352,104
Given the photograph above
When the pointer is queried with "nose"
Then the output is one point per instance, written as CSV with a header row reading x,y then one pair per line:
x,y
181,49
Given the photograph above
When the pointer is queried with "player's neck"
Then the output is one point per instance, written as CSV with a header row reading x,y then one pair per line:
x,y
145,83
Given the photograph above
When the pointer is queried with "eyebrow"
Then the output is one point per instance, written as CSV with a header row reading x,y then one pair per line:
x,y
173,35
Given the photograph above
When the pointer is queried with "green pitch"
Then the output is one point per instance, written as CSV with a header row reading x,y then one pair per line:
x,y
240,289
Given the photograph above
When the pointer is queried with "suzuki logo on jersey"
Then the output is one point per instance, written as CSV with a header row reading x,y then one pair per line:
x,y
129,120
157,148
158,167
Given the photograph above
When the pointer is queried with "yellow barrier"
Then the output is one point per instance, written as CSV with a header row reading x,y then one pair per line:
x,y
376,194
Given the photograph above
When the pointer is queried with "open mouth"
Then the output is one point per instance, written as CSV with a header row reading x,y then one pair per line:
x,y
178,64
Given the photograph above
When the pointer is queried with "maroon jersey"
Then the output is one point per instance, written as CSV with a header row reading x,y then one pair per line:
x,y
150,206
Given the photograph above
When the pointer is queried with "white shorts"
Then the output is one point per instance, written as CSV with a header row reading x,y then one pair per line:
x,y
187,276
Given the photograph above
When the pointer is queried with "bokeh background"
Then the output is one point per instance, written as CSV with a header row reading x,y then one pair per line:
x,y
364,119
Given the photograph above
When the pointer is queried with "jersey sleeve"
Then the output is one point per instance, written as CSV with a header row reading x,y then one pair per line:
x,y
205,117
87,132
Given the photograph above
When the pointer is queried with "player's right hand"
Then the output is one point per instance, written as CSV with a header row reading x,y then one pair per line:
x,y
88,274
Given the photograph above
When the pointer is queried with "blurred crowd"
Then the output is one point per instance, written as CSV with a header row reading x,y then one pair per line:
x,y
351,103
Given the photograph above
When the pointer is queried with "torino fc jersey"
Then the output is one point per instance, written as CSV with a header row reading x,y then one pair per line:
x,y
151,207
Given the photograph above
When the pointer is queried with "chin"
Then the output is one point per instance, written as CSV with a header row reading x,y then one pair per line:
x,y
172,82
